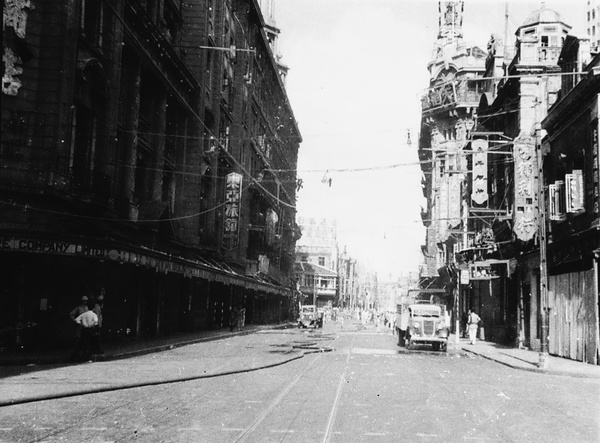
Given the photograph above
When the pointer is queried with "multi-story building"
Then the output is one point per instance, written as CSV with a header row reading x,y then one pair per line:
x,y
447,120
571,175
148,148
348,280
317,262
504,274
593,24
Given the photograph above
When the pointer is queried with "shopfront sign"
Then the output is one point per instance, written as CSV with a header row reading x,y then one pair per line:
x,y
574,191
437,96
526,185
231,221
159,261
480,171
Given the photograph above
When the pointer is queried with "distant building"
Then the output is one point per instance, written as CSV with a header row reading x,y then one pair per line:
x,y
317,261
448,117
593,24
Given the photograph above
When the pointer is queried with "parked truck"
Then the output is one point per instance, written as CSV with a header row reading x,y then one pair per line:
x,y
421,321
310,316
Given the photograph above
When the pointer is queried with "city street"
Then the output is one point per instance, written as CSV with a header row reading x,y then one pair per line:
x,y
352,384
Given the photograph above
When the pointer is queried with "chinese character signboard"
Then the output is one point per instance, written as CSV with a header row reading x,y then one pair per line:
x,y
442,216
438,96
556,200
231,219
596,170
480,171
574,191
526,211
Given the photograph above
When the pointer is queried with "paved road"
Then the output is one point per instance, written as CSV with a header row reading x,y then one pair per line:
x,y
366,389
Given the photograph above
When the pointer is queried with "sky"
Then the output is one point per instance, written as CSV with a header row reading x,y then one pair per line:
x,y
357,70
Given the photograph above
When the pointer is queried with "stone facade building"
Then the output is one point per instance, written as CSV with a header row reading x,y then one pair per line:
x,y
148,148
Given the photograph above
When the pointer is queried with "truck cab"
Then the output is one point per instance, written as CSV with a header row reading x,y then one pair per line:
x,y
423,324
310,316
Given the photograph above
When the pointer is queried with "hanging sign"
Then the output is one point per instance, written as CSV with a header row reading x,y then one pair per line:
x,y
480,171
574,191
231,219
526,185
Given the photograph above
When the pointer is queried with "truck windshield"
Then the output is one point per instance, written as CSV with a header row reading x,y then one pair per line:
x,y
425,313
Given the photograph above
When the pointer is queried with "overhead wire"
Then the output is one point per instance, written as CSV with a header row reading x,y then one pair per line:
x,y
197,117
26,207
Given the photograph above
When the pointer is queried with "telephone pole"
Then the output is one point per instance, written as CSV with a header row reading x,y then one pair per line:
x,y
543,355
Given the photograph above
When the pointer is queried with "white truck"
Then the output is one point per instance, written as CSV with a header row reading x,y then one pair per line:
x,y
422,323
310,316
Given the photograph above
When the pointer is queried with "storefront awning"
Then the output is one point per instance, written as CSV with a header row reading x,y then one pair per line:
x,y
198,267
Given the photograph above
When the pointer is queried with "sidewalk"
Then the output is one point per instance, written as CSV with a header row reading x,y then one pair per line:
x,y
527,360
128,347
146,367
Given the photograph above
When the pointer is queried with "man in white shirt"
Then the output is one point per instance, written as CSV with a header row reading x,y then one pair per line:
x,y
473,320
88,321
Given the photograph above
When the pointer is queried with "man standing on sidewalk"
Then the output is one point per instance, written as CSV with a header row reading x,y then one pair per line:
x,y
473,320
88,321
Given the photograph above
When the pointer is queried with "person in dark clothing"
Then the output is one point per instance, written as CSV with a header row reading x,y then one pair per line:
x,y
233,319
463,324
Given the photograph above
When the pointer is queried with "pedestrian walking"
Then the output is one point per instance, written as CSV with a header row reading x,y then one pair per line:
x,y
88,322
474,320
97,332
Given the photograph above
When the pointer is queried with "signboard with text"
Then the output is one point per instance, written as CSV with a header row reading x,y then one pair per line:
x,y
231,219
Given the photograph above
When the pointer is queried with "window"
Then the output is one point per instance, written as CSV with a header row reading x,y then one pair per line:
x,y
141,173
321,261
83,145
92,21
88,107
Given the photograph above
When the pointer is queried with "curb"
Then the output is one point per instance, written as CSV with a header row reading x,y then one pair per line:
x,y
530,369
510,365
23,361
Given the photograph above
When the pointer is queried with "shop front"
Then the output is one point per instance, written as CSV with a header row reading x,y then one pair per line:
x,y
148,292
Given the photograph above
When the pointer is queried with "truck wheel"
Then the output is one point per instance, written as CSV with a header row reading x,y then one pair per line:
x,y
400,338
409,342
436,346
443,347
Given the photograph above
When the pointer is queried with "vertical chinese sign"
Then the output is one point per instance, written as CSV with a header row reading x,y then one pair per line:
x,y
231,221
595,170
526,183
480,171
